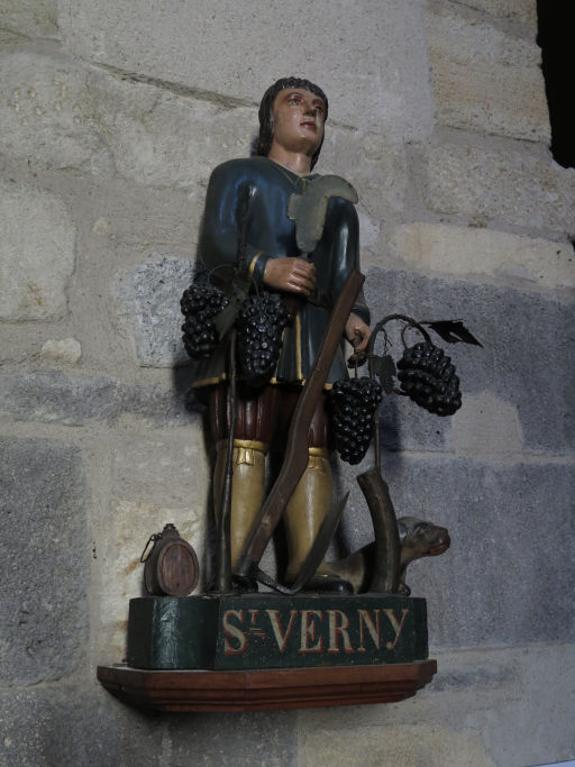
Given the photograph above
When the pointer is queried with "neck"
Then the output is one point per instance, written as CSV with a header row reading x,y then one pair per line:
x,y
297,162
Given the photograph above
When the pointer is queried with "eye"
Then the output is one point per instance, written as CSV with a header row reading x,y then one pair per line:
x,y
420,528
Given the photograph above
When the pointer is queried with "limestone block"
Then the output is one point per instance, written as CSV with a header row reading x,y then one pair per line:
x,y
151,296
43,630
526,360
48,117
524,11
482,254
57,114
153,482
377,168
471,40
36,254
32,18
18,342
401,744
509,101
484,79
500,185
65,350
9,39
128,216
161,139
237,51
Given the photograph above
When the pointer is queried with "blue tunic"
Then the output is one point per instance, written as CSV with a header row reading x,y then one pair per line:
x,y
271,234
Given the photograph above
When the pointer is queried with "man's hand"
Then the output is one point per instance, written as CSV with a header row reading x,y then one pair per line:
x,y
357,332
293,275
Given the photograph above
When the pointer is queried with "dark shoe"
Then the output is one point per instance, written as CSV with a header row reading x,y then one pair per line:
x,y
244,584
328,584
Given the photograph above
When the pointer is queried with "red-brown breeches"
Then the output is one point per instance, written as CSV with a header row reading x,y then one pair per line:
x,y
264,415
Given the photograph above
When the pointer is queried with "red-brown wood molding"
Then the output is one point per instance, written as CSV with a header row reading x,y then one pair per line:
x,y
266,689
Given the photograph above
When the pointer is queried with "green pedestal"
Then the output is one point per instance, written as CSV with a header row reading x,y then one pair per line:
x,y
259,631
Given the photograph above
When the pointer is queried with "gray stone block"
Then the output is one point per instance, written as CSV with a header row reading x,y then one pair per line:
x,y
61,724
152,293
528,354
404,426
160,406
73,400
507,578
500,184
374,71
488,427
53,396
44,727
44,620
518,699
36,254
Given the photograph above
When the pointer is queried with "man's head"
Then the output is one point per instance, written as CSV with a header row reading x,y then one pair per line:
x,y
281,97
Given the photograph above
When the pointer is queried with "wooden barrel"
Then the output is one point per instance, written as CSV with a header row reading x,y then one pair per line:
x,y
171,568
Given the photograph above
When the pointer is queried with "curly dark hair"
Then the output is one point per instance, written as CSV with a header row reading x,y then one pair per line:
x,y
265,136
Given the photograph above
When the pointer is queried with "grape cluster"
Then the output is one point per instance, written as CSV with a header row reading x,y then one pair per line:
x,y
260,325
199,304
428,378
353,404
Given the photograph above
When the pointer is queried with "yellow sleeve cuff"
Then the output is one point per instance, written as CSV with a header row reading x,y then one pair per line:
x,y
254,261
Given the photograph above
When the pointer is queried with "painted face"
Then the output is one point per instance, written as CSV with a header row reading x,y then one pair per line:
x,y
298,120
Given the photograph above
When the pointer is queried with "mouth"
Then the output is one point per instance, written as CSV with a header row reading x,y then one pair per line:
x,y
308,124
440,547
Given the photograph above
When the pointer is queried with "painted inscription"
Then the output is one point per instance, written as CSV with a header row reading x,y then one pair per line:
x,y
329,631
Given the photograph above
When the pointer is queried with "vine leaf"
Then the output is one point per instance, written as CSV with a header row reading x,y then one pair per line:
x,y
453,331
225,319
384,368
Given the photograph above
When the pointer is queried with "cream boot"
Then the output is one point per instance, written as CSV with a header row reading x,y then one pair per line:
x,y
247,488
307,508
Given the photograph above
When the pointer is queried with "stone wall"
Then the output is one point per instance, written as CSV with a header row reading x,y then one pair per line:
x,y
112,116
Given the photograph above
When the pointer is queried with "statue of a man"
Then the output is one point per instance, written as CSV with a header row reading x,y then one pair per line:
x,y
292,117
